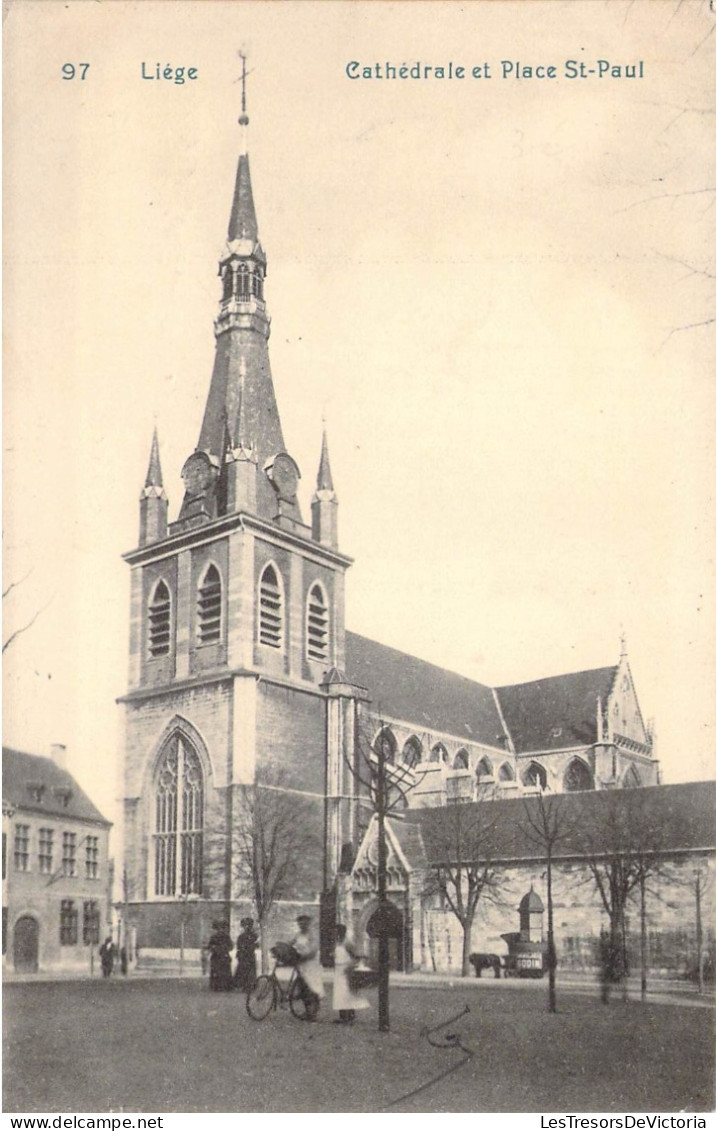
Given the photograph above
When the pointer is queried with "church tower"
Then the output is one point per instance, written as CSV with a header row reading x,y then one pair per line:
x,y
237,622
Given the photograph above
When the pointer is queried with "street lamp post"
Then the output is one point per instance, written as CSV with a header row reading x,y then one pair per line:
x,y
699,932
383,945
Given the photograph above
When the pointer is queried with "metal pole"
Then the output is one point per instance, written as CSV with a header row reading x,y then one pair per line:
x,y
383,946
699,934
181,945
551,955
642,940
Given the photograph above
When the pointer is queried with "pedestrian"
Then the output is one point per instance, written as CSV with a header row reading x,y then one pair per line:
x,y
246,944
309,967
123,961
345,1002
220,957
106,956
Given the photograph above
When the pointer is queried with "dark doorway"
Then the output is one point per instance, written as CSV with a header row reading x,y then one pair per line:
x,y
26,946
396,936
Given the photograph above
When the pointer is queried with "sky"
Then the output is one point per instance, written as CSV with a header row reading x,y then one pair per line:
x,y
496,292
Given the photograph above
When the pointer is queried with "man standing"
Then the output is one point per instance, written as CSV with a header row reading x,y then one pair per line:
x,y
309,966
106,955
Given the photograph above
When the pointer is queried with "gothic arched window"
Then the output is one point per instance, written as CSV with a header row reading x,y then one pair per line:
x,y
178,820
484,769
631,779
209,607
462,760
412,752
506,773
535,776
160,620
270,608
385,743
439,753
317,624
577,777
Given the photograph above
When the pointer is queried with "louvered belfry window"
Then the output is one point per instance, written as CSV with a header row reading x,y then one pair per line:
x,y
209,607
178,821
317,626
160,615
270,609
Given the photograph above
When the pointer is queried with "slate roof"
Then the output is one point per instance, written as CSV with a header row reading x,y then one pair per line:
x,y
22,774
681,817
550,714
426,696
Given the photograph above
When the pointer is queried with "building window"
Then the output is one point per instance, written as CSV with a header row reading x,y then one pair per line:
x,y
462,760
412,752
385,743
209,607
22,848
506,772
535,776
44,855
90,923
178,821
69,854
92,857
270,609
577,777
317,625
160,616
243,283
484,770
439,753
68,923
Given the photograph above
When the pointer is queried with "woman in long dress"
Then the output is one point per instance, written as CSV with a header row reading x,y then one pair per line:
x,y
246,945
345,1002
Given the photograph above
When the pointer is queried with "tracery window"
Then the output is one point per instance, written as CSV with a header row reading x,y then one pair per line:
x,y
577,777
317,624
535,776
160,616
270,609
385,743
209,607
412,751
484,769
178,820
439,753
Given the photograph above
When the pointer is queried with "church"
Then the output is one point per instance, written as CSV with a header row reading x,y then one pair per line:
x,y
242,671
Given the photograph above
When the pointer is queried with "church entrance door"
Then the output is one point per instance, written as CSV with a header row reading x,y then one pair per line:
x,y
26,945
396,936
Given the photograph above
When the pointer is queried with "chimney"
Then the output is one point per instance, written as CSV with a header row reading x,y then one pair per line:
x,y
58,753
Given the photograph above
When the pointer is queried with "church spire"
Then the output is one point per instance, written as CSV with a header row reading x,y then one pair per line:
x,y
154,471
241,394
153,503
324,505
324,480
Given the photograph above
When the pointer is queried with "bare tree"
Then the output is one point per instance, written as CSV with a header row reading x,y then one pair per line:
x,y
12,636
273,836
547,823
384,786
464,847
622,846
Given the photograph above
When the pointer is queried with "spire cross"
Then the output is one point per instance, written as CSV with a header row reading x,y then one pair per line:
x,y
244,119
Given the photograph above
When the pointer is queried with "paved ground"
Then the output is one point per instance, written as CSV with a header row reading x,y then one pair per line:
x,y
169,1045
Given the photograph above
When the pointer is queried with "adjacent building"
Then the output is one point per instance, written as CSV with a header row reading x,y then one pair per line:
x,y
55,867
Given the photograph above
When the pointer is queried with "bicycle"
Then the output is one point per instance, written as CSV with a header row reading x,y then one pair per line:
x,y
269,993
